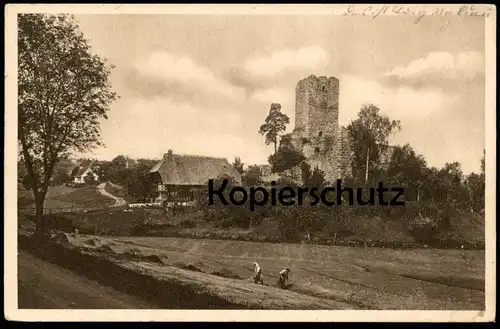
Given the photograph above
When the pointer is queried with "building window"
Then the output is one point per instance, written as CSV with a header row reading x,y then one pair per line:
x,y
320,134
316,150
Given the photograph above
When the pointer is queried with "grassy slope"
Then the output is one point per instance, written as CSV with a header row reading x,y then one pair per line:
x,y
169,286
118,191
467,227
117,222
369,278
66,197
42,285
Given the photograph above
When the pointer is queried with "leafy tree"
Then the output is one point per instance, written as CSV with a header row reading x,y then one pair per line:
x,y
61,175
446,185
27,182
453,176
252,176
369,134
139,183
435,188
305,171
238,165
274,125
316,178
103,170
62,172
21,170
118,171
285,158
406,169
120,161
476,187
63,92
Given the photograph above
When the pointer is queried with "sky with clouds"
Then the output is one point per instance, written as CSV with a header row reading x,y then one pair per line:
x,y
204,84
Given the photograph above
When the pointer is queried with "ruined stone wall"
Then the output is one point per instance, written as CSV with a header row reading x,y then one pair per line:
x,y
317,132
324,163
301,109
316,114
344,154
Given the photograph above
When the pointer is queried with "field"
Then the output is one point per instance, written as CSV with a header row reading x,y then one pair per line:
x,y
65,197
118,191
321,276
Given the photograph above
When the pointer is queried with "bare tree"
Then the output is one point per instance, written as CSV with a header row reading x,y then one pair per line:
x,y
63,93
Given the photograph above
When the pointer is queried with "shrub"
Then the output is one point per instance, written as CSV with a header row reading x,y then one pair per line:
x,y
287,224
430,220
187,223
56,221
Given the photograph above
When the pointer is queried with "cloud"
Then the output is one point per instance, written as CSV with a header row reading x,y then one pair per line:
x,y
397,102
440,69
154,126
181,105
164,73
238,76
306,58
281,69
273,95
443,126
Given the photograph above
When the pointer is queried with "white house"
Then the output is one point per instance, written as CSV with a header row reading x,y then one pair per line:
x,y
84,170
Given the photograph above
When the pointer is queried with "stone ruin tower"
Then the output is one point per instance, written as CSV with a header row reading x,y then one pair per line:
x,y
317,132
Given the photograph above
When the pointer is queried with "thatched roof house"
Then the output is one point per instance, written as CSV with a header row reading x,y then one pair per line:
x,y
176,172
180,169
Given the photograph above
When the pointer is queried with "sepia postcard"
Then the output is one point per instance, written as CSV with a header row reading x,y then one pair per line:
x,y
330,163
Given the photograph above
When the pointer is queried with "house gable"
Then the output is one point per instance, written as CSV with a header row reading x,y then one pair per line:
x,y
83,170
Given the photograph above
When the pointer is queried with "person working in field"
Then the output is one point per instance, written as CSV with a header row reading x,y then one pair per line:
x,y
257,274
283,277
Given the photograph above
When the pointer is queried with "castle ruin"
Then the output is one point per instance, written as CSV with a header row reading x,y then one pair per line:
x,y
317,131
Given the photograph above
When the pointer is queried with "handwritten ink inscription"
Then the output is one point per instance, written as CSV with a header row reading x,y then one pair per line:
x,y
419,14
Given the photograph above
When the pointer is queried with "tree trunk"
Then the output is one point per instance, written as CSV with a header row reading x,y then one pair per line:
x,y
367,164
41,227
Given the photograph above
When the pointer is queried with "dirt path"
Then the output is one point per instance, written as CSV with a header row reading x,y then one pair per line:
x,y
43,285
118,201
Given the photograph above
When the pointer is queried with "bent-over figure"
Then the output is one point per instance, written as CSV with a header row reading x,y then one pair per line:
x,y
283,278
257,274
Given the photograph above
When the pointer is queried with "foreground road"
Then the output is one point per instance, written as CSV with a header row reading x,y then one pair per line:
x,y
47,286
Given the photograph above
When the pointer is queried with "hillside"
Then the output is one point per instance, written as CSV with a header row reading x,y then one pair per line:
x,y
63,197
216,274
466,231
